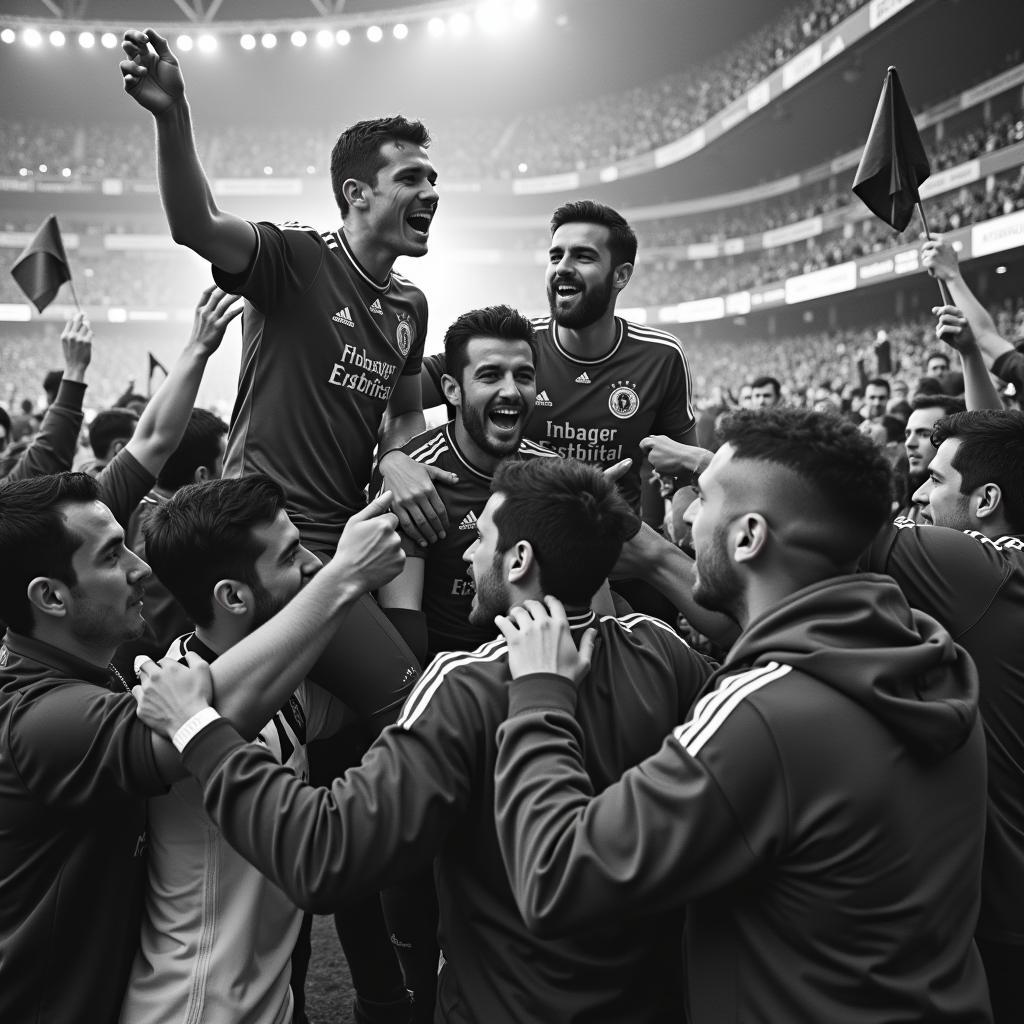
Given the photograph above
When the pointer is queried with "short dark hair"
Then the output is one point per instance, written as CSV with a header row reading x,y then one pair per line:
x,y
765,382
200,446
35,539
203,534
621,237
357,153
991,452
835,460
937,353
109,425
575,520
949,404
895,427
490,322
879,382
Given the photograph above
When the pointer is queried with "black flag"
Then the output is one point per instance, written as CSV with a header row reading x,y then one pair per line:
x,y
43,266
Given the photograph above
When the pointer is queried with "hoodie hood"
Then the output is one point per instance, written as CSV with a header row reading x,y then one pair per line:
x,y
858,635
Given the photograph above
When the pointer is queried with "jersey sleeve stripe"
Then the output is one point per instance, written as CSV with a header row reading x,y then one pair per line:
x,y
435,446
637,618
535,448
428,683
714,708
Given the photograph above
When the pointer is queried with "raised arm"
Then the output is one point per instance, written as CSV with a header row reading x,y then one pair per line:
x,y
152,77
953,328
164,419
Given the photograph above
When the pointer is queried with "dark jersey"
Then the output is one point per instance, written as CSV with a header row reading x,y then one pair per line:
x,y
975,588
447,589
323,346
425,789
598,410
76,765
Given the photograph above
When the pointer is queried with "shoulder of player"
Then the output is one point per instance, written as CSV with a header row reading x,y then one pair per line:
x,y
955,550
430,448
640,334
457,676
640,627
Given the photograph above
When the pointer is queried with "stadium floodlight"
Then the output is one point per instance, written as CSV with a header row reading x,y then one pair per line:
x,y
57,38
108,40
492,16
268,170
65,172
436,27
207,43
184,43
375,33
523,167
400,31
459,24
325,38
268,40
310,169
86,40
247,41
343,37
524,9
299,38
8,35
24,172
43,168
32,37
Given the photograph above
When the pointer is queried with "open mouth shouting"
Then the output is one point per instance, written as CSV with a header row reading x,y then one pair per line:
x,y
419,222
505,418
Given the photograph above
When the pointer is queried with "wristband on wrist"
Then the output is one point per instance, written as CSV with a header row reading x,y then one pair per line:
x,y
199,721
380,458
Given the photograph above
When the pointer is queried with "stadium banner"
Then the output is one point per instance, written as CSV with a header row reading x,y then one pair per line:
x,y
680,149
880,11
819,283
765,298
567,182
998,235
140,243
703,251
760,96
737,304
802,65
112,187
790,233
15,312
1009,79
16,185
19,239
954,177
693,312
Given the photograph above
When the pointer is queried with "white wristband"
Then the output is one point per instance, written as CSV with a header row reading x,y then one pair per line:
x,y
199,721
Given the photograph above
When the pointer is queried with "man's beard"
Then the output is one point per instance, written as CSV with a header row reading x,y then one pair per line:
x,y
491,596
592,306
266,605
718,586
476,422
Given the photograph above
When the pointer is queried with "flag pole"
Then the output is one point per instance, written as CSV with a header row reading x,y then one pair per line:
x,y
947,299
74,294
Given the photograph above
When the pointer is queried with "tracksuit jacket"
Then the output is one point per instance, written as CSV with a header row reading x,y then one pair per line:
x,y
821,816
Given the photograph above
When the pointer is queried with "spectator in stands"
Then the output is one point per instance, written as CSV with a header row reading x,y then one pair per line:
x,y
876,397
936,364
765,393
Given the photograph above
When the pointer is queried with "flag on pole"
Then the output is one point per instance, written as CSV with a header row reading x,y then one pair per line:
x,y
154,365
42,267
894,163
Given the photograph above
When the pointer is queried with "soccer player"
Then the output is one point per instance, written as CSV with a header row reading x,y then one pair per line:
x,y
491,385
75,762
216,936
425,788
603,383
820,814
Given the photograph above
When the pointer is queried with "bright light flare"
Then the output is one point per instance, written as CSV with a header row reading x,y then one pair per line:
x,y
247,41
459,24
436,27
299,38
400,31
86,40
343,37
31,37
57,38
268,40
325,38
207,43
183,43
375,33
108,40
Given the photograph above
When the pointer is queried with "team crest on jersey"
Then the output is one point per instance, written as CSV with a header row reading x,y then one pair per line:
x,y
405,334
623,401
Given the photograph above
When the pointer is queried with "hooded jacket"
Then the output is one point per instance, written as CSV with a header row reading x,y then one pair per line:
x,y
821,814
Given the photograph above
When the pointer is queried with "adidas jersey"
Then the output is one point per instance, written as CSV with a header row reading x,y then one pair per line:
x,y
323,345
598,410
447,588
975,588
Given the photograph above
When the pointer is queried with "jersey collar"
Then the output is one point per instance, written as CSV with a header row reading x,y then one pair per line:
x,y
619,335
358,267
67,664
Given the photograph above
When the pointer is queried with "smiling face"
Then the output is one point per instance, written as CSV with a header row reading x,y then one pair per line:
x,y
104,606
402,201
496,394
580,277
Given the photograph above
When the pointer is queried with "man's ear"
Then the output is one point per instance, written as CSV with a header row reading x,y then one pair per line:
x,y
234,597
48,596
748,536
354,192
521,562
989,498
451,389
621,276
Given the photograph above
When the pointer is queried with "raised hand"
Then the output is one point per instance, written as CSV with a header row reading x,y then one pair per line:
x,y
421,513
215,311
369,551
953,328
671,458
150,71
76,343
940,260
539,640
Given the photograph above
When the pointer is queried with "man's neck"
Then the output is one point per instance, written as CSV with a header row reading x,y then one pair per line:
x,y
372,257
591,342
470,450
100,656
218,637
